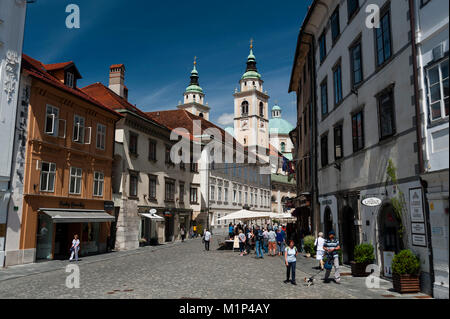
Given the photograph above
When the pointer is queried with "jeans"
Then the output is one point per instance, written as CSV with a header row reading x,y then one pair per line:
x,y
266,246
259,250
290,266
241,247
207,245
75,252
337,274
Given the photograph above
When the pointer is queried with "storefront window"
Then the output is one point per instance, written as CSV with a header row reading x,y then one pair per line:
x,y
90,239
44,238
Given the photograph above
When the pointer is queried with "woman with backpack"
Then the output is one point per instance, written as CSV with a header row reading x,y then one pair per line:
x,y
290,258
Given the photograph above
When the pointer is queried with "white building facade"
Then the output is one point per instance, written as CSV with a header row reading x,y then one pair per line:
x,y
367,129
432,45
12,24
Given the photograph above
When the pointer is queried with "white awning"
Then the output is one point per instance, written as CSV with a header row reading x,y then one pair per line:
x,y
245,214
153,216
65,216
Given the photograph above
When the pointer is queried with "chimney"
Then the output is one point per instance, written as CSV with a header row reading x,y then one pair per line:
x,y
117,79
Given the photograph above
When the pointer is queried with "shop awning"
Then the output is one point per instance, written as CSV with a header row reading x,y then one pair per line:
x,y
65,216
152,216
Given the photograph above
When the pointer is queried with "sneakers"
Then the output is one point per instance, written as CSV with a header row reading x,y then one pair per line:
x,y
294,283
286,281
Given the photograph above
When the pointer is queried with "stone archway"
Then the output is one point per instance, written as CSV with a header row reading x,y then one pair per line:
x,y
388,236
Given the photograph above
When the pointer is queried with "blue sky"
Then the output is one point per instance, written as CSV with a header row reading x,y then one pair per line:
x,y
157,41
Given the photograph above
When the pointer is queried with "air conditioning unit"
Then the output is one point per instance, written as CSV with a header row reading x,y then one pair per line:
x,y
438,52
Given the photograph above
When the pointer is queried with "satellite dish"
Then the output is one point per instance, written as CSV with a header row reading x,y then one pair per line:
x,y
152,211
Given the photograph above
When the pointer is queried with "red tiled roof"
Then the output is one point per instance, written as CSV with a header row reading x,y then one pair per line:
x,y
57,66
108,97
116,66
38,70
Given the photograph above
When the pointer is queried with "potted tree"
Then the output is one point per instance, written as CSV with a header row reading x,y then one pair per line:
x,y
363,257
308,243
405,272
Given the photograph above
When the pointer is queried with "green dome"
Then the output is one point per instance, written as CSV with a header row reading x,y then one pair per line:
x,y
251,56
194,89
280,126
276,108
251,75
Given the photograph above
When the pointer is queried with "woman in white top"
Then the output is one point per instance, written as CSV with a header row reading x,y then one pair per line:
x,y
319,249
75,248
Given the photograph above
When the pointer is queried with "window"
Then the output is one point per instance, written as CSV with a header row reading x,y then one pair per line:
x,y
358,131
75,180
48,173
438,90
386,114
324,150
99,181
134,184
69,81
152,150
335,27
337,76
225,196
246,198
219,194
167,155
101,136
181,186
152,187
51,121
324,97
356,64
283,147
234,196
352,8
78,129
251,198
133,147
244,108
193,195
240,197
170,190
212,193
383,39
322,47
194,166
261,109
338,145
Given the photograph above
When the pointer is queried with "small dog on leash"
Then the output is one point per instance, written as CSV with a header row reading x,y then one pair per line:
x,y
309,281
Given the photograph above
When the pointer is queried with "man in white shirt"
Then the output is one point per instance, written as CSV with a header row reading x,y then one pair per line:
x,y
207,238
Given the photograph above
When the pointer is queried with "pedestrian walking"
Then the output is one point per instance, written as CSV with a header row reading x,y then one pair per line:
x,y
259,241
318,244
231,231
280,242
331,248
75,248
207,238
241,237
272,239
290,257
182,233
248,242
266,241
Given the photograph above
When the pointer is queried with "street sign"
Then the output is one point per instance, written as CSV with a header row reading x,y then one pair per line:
x,y
371,202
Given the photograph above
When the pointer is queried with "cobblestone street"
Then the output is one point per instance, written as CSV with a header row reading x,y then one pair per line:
x,y
182,270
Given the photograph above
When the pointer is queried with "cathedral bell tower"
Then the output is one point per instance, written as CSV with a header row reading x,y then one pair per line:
x,y
194,98
251,118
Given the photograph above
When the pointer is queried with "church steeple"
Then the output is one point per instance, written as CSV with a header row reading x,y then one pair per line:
x,y
251,71
194,98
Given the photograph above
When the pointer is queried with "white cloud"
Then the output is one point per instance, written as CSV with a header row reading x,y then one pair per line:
x,y
226,119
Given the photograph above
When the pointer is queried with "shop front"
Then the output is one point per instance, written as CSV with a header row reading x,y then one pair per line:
x,y
150,228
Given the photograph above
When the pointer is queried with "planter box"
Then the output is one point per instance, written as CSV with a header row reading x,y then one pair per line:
x,y
406,283
359,270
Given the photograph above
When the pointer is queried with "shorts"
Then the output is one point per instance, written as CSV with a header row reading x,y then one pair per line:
x,y
272,245
319,255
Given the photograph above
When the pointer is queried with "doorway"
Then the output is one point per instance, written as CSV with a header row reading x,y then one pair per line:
x,y
169,227
62,242
328,221
389,241
348,234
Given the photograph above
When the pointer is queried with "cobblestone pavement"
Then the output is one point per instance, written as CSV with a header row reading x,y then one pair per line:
x,y
182,270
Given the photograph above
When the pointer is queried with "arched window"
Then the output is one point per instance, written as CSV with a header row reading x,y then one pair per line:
x,y
261,109
201,115
244,108
283,147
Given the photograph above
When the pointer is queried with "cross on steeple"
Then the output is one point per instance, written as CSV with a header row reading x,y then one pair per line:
x,y
251,43
195,60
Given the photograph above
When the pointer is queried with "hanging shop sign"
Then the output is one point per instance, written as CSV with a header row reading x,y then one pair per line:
x,y
371,201
416,205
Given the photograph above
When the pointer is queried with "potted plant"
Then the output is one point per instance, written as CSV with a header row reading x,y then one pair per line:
x,y
308,243
405,272
363,257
